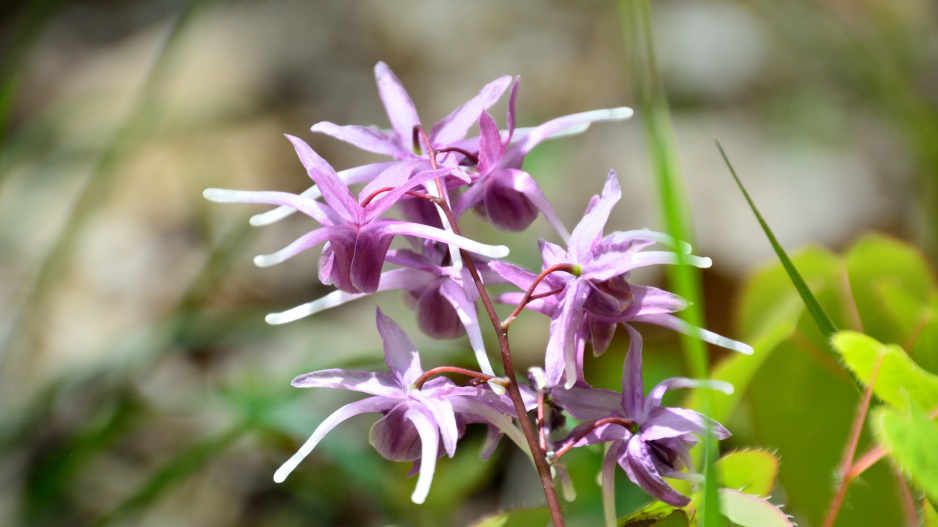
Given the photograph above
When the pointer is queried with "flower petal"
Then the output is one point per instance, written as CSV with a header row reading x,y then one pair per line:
x,y
515,155
454,126
312,208
590,229
466,311
400,354
372,404
400,109
585,402
657,393
638,463
672,322
392,227
371,245
364,137
307,241
561,358
375,383
334,191
664,423
352,175
526,185
633,388
429,442
445,419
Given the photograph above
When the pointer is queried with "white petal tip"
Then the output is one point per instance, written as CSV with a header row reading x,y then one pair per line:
x,y
282,474
496,387
275,319
622,112
705,262
418,498
743,348
724,387
219,195
267,260
498,251
260,220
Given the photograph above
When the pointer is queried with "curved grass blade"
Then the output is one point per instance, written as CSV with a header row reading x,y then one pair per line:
x,y
821,318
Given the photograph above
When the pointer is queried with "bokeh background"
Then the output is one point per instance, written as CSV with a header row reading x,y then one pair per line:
x,y
139,384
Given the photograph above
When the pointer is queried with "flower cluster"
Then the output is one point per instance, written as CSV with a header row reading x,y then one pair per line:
x,y
431,180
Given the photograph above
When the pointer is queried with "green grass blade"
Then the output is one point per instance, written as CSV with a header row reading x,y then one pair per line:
x,y
820,317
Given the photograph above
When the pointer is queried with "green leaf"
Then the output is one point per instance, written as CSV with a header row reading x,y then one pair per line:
x,y
930,516
891,284
821,318
899,380
650,515
677,518
911,439
749,471
749,511
516,518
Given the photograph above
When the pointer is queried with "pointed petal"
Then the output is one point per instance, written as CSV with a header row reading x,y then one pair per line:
x,y
454,126
633,389
375,383
552,253
487,414
429,442
510,119
386,201
664,423
608,483
647,300
490,144
364,137
516,153
391,227
601,333
466,311
400,354
657,237
307,241
586,402
334,191
394,176
606,265
561,358
657,393
672,322
372,404
445,419
590,229
333,299
350,176
638,463
319,212
400,109
525,184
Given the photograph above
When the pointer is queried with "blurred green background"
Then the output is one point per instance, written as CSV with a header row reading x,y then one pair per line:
x,y
139,384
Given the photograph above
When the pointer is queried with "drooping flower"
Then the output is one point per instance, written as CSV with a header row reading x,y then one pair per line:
x,y
649,441
588,304
443,297
503,193
356,239
415,420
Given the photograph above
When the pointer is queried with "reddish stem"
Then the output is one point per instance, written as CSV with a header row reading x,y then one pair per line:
x,y
376,193
470,155
851,449
528,295
418,384
537,453
627,424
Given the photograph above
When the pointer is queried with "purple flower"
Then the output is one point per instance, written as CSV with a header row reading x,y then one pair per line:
x,y
502,192
414,420
654,442
356,240
443,297
588,304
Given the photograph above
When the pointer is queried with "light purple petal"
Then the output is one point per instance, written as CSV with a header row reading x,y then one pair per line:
x,y
334,191
391,227
601,333
664,423
454,126
633,389
312,208
518,276
469,198
510,119
657,393
590,229
429,442
375,383
370,247
552,253
307,241
609,481
349,176
393,176
466,310
561,358
649,300
638,463
364,137
400,354
490,144
445,419
525,184
401,110
672,322
386,201
372,404
585,402
515,155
